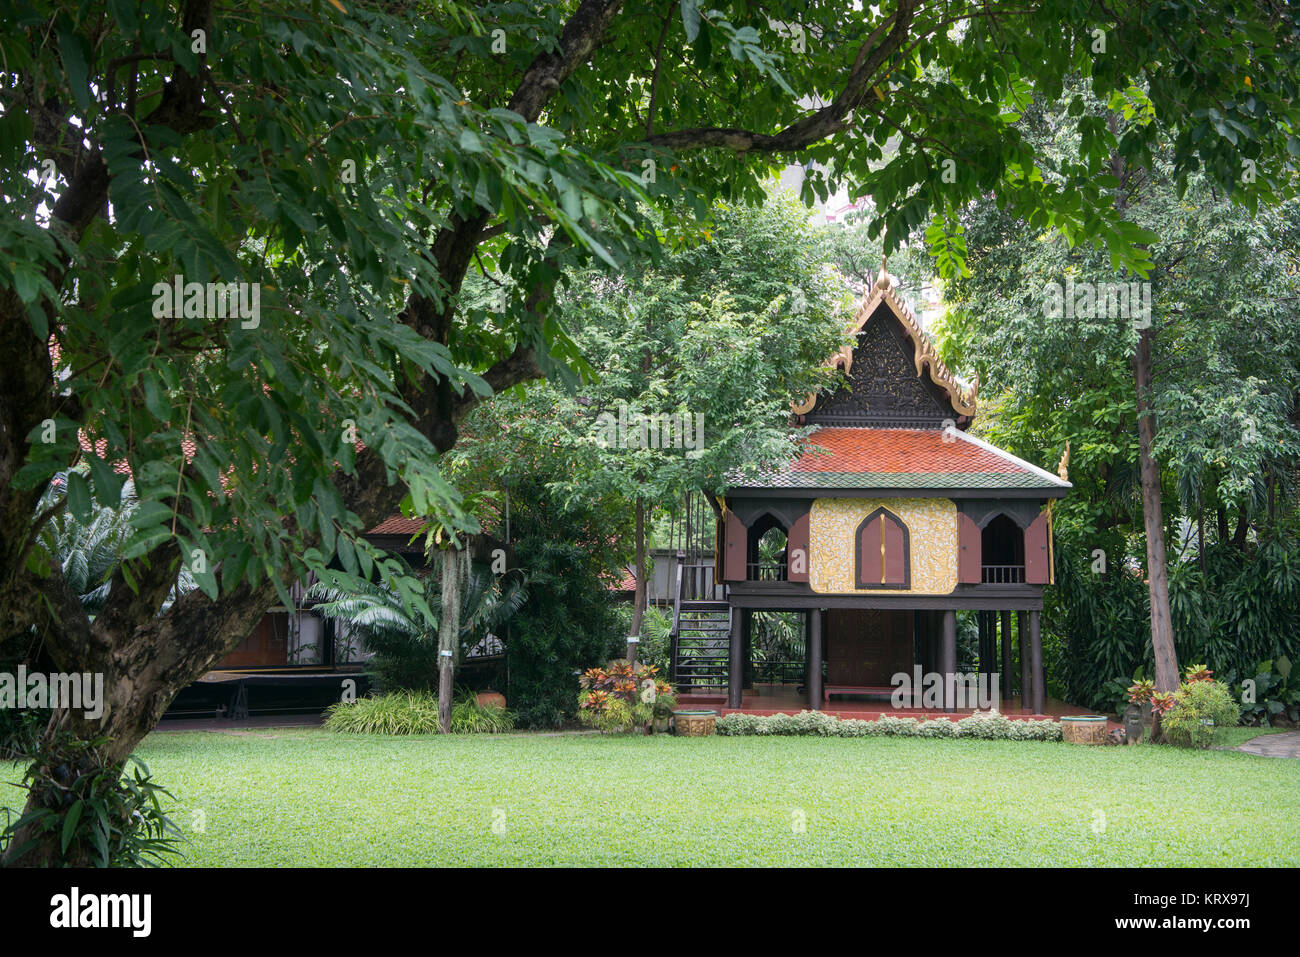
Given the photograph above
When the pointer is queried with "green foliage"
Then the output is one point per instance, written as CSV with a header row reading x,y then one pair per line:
x,y
20,729
470,717
568,550
398,712
405,642
656,635
1225,350
414,712
990,726
1272,696
614,716
1242,613
101,816
1199,707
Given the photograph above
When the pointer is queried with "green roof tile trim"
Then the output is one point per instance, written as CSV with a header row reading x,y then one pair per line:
x,y
871,480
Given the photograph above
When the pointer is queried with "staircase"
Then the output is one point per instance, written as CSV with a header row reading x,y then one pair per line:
x,y
701,636
701,631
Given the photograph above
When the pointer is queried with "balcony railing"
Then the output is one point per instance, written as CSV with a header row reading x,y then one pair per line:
x,y
765,571
1002,574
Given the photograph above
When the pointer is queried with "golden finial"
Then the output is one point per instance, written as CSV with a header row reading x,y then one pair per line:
x,y
1063,470
883,282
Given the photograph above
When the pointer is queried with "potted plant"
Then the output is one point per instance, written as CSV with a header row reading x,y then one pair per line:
x,y
1140,696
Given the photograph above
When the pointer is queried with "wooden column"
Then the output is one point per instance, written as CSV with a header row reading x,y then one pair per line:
x,y
747,648
1036,662
982,621
1006,655
735,669
1026,686
815,626
948,660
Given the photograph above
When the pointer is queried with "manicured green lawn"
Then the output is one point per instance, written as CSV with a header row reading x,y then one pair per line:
x,y
307,797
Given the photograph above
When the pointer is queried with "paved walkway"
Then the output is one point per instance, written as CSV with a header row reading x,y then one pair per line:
x,y
1284,745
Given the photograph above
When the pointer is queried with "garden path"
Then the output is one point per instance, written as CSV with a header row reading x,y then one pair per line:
x,y
1284,745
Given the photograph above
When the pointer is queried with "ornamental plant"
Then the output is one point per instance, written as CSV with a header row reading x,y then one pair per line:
x,y
1141,692
1197,673
1162,701
623,696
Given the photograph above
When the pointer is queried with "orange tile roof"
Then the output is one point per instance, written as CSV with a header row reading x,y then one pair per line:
x,y
865,458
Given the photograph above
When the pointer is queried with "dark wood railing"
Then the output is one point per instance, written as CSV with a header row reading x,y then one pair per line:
x,y
1002,574
765,571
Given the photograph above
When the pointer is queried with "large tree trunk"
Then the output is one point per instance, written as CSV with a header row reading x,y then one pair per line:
x,y
1243,526
639,595
1162,631
144,669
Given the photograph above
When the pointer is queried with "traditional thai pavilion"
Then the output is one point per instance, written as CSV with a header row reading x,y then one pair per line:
x,y
895,518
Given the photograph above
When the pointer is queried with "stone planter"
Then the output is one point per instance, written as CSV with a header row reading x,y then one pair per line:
x,y
1083,729
694,724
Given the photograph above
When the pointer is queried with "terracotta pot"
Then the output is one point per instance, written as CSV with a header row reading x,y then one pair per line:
x,y
491,699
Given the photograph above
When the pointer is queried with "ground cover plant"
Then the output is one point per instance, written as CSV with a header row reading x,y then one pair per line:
x,y
414,712
989,726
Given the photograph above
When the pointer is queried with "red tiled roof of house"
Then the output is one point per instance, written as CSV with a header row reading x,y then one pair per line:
x,y
626,583
398,525
866,458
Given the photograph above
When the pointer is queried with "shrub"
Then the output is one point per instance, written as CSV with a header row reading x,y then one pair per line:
x,y
568,546
636,686
470,717
1272,696
398,712
605,713
988,726
1197,708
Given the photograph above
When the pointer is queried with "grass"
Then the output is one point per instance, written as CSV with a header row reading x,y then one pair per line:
x,y
1235,737
304,797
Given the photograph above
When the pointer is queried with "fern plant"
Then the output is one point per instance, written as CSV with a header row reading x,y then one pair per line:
x,y
88,553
